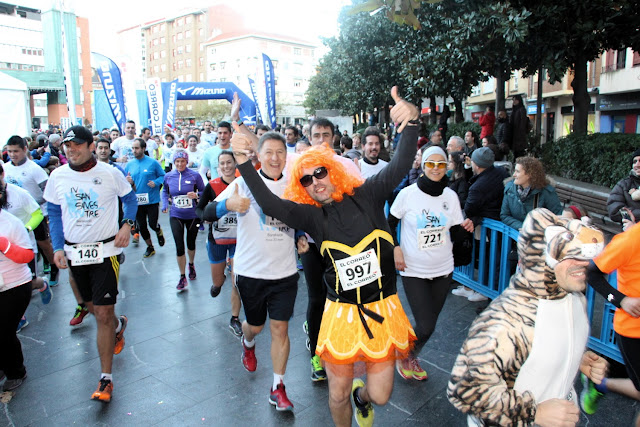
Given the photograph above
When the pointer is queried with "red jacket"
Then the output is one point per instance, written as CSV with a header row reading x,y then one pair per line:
x,y
487,121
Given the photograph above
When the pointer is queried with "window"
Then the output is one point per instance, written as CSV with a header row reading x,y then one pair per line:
x,y
212,67
297,83
155,55
175,67
222,64
163,54
187,34
297,51
188,20
180,36
189,106
201,77
154,29
188,78
156,42
180,22
621,61
180,64
201,61
212,51
163,67
173,38
187,63
162,27
180,107
163,40
610,55
156,68
187,48
173,53
636,58
180,50
475,91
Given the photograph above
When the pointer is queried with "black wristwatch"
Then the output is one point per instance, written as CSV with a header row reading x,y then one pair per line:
x,y
131,222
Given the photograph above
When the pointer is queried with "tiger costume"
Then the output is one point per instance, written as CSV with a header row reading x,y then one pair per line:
x,y
526,347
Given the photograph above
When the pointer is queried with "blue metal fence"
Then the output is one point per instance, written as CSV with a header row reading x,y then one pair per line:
x,y
493,258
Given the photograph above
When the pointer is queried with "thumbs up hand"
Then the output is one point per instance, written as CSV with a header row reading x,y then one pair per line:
x,y
237,203
240,144
403,111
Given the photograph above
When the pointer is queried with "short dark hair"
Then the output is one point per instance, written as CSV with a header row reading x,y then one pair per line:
x,y
324,123
371,130
293,128
143,144
224,125
144,130
347,142
105,140
193,136
170,135
262,127
227,153
17,140
272,135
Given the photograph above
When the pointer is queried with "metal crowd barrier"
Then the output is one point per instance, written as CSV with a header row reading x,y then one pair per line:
x,y
493,258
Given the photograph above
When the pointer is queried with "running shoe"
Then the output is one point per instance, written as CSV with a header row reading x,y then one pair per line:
x,y
22,324
418,373
160,236
364,414
120,335
46,267
317,371
236,326
149,252
477,297
46,295
182,284
136,239
192,271
103,393
13,384
53,282
279,399
215,291
249,360
79,315
590,395
461,291
404,368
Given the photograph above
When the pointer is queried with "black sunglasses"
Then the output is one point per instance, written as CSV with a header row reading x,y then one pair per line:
x,y
319,173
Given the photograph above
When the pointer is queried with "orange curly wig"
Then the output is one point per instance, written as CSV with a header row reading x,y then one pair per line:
x,y
321,155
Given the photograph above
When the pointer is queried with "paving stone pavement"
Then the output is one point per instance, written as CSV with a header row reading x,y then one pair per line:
x,y
181,363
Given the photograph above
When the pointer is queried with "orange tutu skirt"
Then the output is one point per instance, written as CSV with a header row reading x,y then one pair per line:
x,y
343,339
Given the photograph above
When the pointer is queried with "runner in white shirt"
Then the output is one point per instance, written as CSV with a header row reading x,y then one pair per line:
x,y
122,145
370,164
83,205
431,218
195,153
265,266
208,136
15,293
210,160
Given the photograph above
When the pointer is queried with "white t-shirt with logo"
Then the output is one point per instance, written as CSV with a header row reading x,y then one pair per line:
x,y
368,170
89,204
13,274
123,148
265,246
195,157
424,236
21,205
28,176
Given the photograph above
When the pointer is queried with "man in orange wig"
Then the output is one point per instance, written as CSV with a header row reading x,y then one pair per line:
x,y
363,320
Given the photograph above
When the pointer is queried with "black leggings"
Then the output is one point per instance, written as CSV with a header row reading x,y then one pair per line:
x,y
426,298
630,349
13,304
177,228
144,212
317,293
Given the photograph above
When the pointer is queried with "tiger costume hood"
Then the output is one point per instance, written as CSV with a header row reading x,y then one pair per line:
x,y
545,239
527,345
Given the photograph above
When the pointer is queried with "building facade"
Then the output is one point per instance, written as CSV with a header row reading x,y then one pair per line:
x,y
619,100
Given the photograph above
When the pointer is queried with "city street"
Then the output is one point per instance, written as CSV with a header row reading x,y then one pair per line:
x,y
181,363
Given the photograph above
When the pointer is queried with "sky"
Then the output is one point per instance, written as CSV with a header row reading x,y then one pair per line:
x,y
307,19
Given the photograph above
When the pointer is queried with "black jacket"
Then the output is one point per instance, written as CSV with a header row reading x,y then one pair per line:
x,y
485,194
620,197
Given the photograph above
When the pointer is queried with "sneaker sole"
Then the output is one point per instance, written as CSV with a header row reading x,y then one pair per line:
x,y
274,403
233,331
150,255
243,365
100,399
318,379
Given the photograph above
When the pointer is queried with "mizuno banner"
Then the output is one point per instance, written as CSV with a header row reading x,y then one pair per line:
x,y
252,86
206,90
270,90
169,100
109,74
154,95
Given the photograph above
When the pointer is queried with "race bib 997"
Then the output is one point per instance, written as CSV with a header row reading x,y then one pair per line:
x,y
358,270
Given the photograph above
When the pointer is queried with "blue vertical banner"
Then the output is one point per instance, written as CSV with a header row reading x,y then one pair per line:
x,y
270,89
170,98
111,79
252,86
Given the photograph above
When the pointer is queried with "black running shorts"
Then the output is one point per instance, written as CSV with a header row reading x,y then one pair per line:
x,y
98,283
275,297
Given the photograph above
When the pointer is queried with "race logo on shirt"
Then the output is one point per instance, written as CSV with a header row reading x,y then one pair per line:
x,y
428,219
82,204
12,180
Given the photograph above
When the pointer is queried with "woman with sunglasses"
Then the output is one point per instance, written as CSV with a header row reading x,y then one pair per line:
x,y
431,216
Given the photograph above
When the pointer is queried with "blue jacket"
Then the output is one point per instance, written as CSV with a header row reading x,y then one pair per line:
x,y
143,171
515,210
179,184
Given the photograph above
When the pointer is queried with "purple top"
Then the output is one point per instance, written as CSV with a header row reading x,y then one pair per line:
x,y
179,184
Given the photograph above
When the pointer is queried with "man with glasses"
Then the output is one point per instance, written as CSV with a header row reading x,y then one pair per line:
x,y
357,256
